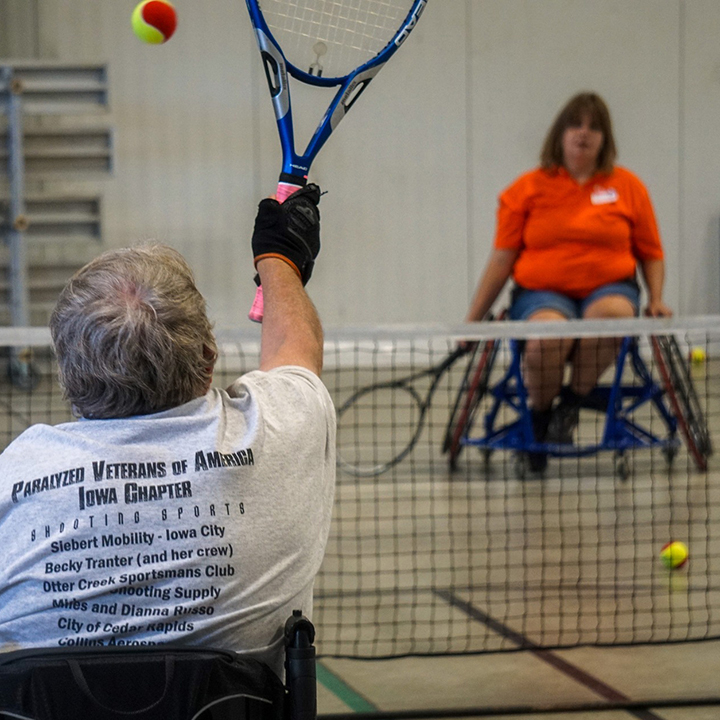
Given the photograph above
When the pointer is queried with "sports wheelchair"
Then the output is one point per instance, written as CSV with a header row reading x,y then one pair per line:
x,y
673,398
160,683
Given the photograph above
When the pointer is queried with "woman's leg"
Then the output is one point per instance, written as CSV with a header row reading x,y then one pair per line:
x,y
543,370
544,362
594,355
591,358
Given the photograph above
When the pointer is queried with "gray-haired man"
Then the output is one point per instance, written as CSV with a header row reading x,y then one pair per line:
x,y
172,511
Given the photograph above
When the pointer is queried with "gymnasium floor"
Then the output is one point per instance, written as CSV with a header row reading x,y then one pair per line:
x,y
537,678
570,677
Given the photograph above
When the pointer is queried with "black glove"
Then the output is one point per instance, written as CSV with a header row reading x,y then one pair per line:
x,y
290,230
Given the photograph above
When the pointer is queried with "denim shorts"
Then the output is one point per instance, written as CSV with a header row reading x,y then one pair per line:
x,y
525,302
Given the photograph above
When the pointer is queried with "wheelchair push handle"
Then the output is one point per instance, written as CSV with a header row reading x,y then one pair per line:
x,y
300,674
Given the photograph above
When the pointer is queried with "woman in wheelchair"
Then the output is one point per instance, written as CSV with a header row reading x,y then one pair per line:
x,y
572,234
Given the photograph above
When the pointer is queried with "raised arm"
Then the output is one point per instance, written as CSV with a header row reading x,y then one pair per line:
x,y
291,330
286,242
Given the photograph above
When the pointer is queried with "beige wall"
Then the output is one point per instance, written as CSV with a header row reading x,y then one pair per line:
x,y
699,176
19,28
414,170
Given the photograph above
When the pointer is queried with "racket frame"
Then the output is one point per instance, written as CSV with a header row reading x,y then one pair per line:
x,y
422,405
296,166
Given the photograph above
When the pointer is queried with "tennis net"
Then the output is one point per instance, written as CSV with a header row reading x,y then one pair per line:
x,y
445,538
446,541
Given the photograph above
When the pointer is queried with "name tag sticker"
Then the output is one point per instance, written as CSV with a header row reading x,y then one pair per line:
x,y
604,196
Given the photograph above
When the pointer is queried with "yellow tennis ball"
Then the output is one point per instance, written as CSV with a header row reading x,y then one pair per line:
x,y
697,356
674,554
154,21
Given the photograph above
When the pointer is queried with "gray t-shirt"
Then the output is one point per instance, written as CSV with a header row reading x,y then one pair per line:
x,y
204,524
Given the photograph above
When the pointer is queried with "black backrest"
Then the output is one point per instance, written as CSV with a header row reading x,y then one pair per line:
x,y
159,683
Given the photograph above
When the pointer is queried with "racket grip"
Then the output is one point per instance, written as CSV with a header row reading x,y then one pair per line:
x,y
283,192
256,311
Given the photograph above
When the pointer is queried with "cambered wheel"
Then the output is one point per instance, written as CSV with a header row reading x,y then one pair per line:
x,y
680,390
472,390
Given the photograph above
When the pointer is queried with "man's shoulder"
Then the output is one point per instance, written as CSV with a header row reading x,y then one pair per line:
x,y
291,385
35,443
34,434
284,375
43,431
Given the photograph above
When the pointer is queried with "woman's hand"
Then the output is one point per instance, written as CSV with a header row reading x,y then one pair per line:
x,y
657,309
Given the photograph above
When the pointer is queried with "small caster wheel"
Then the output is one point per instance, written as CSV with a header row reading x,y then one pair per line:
x,y
670,452
521,465
622,467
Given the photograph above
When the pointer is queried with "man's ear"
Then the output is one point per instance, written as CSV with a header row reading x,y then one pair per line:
x,y
211,358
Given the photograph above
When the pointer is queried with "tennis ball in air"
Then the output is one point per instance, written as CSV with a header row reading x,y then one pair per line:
x,y
674,555
697,356
154,21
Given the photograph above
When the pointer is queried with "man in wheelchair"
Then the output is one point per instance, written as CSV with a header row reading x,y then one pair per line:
x,y
173,512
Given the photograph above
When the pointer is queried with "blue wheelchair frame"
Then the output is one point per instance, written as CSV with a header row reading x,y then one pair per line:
x,y
618,401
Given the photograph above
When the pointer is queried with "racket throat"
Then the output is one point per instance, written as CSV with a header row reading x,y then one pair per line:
x,y
275,80
297,181
354,92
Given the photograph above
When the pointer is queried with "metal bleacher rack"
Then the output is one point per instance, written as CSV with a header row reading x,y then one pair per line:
x,y
29,91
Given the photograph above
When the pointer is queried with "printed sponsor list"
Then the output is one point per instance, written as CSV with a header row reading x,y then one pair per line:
x,y
141,560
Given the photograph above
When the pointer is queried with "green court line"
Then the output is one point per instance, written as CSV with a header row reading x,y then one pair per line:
x,y
341,690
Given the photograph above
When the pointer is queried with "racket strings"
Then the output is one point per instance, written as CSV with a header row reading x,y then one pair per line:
x,y
352,31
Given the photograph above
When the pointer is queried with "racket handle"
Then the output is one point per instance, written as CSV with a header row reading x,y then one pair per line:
x,y
283,192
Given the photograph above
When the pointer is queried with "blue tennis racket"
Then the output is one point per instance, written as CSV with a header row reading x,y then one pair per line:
x,y
325,43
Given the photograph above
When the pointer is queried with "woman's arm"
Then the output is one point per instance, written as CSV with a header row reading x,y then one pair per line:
x,y
497,271
653,272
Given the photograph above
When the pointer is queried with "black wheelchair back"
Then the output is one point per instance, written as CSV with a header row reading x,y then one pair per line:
x,y
160,683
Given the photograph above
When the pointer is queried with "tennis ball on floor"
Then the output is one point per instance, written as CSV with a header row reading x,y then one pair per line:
x,y
154,21
697,356
674,554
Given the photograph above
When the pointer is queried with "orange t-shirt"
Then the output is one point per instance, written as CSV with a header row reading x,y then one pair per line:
x,y
575,238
